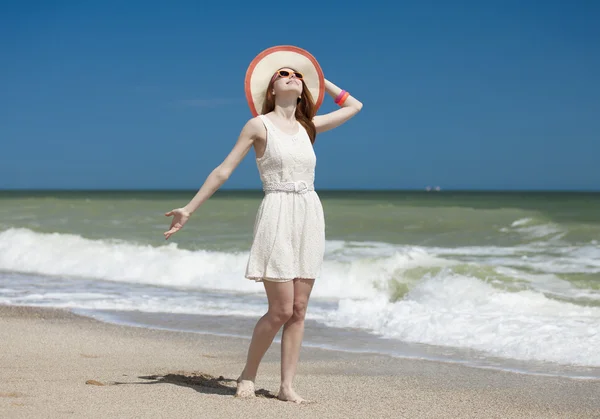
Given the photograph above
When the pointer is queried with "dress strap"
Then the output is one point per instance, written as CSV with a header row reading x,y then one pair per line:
x,y
266,122
273,128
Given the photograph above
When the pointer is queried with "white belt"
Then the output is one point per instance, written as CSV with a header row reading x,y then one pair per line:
x,y
299,186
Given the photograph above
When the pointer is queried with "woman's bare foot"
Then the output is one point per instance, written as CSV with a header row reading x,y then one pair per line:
x,y
245,388
289,395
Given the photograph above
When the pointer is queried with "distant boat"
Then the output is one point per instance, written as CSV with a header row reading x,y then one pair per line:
x,y
429,189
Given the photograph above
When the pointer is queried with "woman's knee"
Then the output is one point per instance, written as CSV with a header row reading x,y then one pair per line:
x,y
281,313
299,310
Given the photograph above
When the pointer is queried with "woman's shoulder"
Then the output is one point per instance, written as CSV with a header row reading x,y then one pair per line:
x,y
255,127
255,122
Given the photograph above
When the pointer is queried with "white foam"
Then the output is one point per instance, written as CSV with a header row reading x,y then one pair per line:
x,y
550,263
521,222
369,270
445,309
542,256
23,250
350,270
151,300
480,251
458,311
535,229
144,303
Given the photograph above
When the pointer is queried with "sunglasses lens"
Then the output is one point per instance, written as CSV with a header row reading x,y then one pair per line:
x,y
284,73
298,75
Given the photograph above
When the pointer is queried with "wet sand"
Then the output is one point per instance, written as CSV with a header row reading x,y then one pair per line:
x,y
55,364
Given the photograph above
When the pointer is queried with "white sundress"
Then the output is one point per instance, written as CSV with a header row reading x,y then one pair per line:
x,y
289,230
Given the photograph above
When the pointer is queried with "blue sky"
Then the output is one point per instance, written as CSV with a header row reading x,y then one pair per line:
x,y
465,95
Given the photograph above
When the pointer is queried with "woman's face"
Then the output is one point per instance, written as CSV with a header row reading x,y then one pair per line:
x,y
287,80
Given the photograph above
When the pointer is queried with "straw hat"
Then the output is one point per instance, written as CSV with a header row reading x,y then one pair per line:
x,y
265,64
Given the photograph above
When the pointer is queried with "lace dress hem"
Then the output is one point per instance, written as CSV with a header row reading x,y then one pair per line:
x,y
262,279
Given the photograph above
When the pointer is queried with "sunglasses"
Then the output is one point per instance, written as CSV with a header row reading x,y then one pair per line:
x,y
288,74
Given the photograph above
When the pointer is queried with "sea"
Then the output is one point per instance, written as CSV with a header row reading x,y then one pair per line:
x,y
501,280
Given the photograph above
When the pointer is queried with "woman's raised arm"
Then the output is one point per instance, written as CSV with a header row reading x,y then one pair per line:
x,y
349,108
217,177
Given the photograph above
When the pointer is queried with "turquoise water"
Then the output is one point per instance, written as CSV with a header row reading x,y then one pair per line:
x,y
397,217
512,275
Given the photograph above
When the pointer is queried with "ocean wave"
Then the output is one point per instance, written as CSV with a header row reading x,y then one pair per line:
x,y
23,250
536,229
459,311
349,271
462,297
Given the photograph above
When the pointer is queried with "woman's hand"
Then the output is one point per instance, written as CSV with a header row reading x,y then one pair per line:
x,y
180,217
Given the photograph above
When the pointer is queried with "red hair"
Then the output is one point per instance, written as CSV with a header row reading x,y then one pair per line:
x,y
305,108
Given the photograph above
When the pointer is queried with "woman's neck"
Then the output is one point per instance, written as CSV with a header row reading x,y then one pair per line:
x,y
285,109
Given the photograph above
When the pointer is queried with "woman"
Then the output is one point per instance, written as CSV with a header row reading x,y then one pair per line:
x,y
289,231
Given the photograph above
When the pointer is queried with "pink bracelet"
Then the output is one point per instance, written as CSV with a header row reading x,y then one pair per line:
x,y
343,99
339,97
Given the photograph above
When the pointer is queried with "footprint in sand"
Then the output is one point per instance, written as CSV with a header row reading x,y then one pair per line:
x,y
89,356
94,383
12,394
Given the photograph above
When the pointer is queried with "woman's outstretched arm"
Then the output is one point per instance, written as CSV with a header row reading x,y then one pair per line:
x,y
217,177
349,108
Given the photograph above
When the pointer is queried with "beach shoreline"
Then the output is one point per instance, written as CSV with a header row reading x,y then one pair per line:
x,y
320,336
48,355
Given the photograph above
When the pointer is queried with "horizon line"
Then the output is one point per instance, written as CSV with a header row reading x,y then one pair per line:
x,y
412,190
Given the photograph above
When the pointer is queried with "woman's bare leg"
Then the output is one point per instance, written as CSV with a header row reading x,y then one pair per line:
x,y
291,341
281,306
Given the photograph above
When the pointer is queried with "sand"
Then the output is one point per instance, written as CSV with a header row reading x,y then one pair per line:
x,y
55,364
